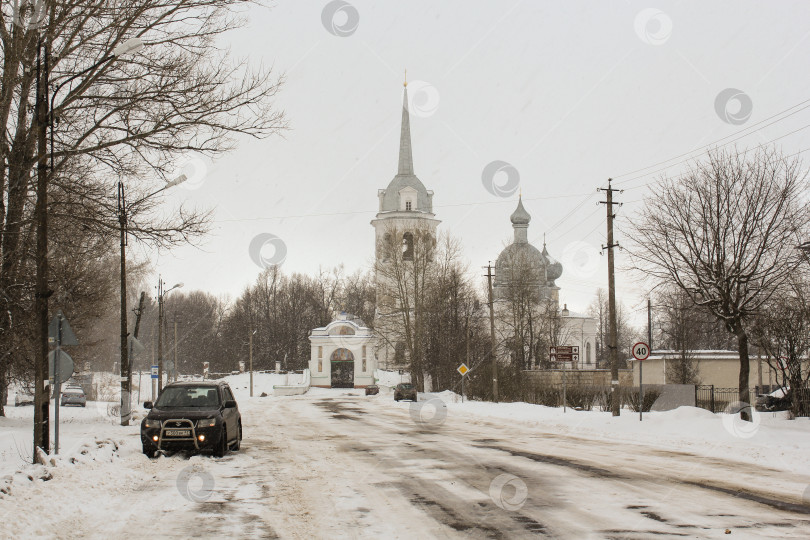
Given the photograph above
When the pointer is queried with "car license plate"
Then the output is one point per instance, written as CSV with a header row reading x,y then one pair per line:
x,y
178,432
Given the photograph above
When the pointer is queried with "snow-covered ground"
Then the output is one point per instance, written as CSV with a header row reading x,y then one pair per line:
x,y
339,464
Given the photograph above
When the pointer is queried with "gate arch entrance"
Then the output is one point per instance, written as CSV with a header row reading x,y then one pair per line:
x,y
342,365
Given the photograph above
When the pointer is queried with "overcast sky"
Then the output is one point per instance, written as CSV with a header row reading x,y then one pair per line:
x,y
567,93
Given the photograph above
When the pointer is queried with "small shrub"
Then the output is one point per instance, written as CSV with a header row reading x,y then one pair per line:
x,y
582,397
631,398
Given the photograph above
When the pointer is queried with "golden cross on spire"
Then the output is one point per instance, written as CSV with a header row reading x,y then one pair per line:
x,y
406,78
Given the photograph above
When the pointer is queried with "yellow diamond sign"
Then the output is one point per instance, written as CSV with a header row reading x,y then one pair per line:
x,y
463,369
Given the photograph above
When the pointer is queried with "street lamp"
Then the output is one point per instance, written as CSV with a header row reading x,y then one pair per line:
x,y
251,362
126,362
161,294
45,118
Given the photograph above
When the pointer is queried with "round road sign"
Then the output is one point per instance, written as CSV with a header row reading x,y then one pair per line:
x,y
641,351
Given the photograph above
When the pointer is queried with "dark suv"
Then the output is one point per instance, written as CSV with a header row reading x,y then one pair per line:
x,y
196,416
405,391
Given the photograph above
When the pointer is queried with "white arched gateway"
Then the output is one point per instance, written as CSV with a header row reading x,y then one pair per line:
x,y
342,354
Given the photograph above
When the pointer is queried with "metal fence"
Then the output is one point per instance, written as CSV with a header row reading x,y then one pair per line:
x,y
714,399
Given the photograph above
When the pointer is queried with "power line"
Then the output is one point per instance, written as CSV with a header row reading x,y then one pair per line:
x,y
689,159
356,212
750,128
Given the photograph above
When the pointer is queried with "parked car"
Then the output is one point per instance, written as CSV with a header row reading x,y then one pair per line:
x,y
23,397
777,400
372,390
405,391
195,416
73,395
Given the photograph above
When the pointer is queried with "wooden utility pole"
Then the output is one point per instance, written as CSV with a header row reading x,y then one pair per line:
x,y
492,336
614,353
160,336
42,389
126,374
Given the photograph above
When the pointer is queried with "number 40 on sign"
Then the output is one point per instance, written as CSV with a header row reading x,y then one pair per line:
x,y
641,351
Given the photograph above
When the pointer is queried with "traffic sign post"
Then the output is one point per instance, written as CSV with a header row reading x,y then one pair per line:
x,y
60,333
463,369
641,351
155,371
565,353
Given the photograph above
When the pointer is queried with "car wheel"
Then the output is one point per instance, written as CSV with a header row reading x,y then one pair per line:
x,y
149,451
222,447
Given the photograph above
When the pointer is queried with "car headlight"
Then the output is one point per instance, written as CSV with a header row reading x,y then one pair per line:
x,y
151,423
206,422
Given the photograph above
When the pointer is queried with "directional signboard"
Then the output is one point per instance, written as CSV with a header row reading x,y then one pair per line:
x,y
564,354
155,372
463,369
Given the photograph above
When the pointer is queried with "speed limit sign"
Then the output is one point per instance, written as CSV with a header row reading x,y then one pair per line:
x,y
641,351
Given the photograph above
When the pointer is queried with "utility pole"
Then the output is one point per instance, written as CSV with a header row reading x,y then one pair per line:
x,y
492,336
162,292
138,313
42,389
160,336
614,353
126,373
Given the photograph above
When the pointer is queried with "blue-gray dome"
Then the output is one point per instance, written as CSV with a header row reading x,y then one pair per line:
x,y
391,198
524,262
520,216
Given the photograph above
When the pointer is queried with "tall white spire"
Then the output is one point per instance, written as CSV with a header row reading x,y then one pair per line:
x,y
405,152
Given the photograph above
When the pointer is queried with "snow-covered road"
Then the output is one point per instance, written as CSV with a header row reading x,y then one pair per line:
x,y
336,464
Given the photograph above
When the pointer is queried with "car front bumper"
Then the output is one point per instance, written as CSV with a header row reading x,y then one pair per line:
x,y
159,439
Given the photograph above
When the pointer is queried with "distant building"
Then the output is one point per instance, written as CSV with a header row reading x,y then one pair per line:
x,y
718,368
342,354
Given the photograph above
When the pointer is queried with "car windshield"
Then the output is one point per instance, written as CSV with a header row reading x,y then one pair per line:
x,y
406,386
188,396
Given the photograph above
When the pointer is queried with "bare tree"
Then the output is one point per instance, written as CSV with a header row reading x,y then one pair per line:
x,y
625,334
404,269
782,330
726,233
113,119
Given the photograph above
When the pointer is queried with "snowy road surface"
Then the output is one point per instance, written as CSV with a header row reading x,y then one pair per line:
x,y
336,464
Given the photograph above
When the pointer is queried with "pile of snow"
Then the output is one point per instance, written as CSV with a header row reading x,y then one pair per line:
x,y
391,378
263,383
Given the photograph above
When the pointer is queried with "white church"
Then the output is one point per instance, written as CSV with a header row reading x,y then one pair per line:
x,y
345,353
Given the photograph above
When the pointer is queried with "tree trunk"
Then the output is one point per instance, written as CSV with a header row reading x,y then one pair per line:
x,y
744,396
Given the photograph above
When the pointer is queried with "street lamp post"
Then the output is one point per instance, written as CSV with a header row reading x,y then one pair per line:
x,y
126,361
161,294
251,362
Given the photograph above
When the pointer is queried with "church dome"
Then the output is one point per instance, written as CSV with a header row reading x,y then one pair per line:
x,y
520,216
391,200
553,267
521,261
517,258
